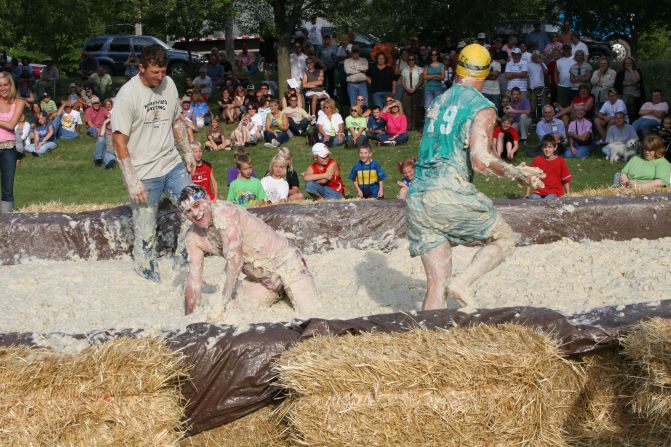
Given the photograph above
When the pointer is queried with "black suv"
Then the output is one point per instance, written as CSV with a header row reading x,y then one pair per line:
x,y
112,50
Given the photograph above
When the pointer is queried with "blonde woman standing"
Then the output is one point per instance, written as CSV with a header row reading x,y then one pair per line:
x,y
11,108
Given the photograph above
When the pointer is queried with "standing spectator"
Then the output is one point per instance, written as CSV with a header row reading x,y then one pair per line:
x,y
423,55
382,80
275,183
94,116
328,56
68,122
367,175
602,80
16,70
343,52
577,45
214,70
267,51
537,40
412,96
491,89
355,69
131,65
553,75
292,176
146,124
322,177
629,84
315,34
11,108
400,65
563,77
277,125
396,124
580,72
313,84
246,190
297,63
501,56
204,174
554,44
330,125
579,134
88,65
240,73
605,117
434,73
204,82
620,132
511,43
651,113
48,106
537,73
42,136
355,124
526,55
26,93
248,60
519,109
517,72
557,175
101,82
299,119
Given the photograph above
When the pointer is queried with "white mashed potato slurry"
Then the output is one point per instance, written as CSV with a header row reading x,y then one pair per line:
x,y
572,277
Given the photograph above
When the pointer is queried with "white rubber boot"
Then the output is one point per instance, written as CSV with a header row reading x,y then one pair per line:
x,y
6,207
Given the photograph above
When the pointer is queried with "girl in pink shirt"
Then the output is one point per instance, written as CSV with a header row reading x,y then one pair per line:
x,y
397,124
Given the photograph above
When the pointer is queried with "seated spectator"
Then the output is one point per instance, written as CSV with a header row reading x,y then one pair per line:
x,y
101,82
87,97
277,126
22,132
557,175
188,115
579,134
651,113
505,140
215,137
50,75
88,65
214,70
242,135
396,124
239,96
248,60
550,125
287,96
233,171
240,73
665,134
407,170
376,125
26,93
292,177
246,190
313,83
602,81
94,117
229,110
299,119
517,73
201,111
619,132
204,173
584,99
322,177
42,136
48,106
649,170
263,108
356,128
275,183
67,123
330,125
367,175
35,111
204,82
132,66
605,117
519,109
74,98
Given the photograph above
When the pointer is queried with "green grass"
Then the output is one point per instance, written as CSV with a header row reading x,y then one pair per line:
x,y
67,175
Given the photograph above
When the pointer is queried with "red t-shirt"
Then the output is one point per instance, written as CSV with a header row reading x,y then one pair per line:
x,y
556,175
513,133
202,178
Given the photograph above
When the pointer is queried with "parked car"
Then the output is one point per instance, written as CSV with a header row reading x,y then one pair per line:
x,y
112,50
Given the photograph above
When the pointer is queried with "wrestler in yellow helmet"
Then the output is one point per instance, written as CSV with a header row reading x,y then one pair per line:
x,y
473,62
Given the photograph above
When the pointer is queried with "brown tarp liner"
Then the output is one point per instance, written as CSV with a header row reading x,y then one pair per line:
x,y
231,374
322,226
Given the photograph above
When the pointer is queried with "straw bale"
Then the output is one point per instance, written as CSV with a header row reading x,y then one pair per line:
x,y
124,392
257,429
609,191
648,346
487,385
56,206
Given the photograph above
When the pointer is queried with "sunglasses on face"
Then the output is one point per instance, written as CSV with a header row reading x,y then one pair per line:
x,y
359,99
353,110
389,101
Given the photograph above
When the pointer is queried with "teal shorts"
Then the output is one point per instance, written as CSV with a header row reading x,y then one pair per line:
x,y
458,214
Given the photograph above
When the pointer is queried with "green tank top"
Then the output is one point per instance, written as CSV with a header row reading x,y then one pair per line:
x,y
445,137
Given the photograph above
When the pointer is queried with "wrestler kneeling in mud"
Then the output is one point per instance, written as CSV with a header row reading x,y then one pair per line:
x,y
271,265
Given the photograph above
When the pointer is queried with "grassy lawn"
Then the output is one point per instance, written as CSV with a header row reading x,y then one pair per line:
x,y
67,175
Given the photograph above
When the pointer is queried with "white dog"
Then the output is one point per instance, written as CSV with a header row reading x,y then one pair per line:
x,y
616,150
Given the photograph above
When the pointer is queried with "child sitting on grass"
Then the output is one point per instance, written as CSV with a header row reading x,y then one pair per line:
x,y
204,175
246,190
367,175
242,135
505,139
557,174
233,171
407,169
215,137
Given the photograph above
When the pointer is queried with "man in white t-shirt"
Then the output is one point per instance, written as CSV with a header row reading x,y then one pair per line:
x,y
651,113
297,64
204,82
491,88
577,44
563,76
517,72
146,124
315,34
68,122
605,117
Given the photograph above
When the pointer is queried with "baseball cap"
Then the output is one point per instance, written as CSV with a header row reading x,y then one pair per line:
x,y
186,98
95,99
46,94
516,51
250,87
612,90
481,35
72,84
320,150
88,88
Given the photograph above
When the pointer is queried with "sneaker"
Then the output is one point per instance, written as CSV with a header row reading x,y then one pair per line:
x,y
110,164
270,145
97,163
389,143
275,143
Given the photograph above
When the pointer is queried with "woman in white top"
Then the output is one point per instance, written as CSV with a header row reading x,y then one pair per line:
x,y
330,125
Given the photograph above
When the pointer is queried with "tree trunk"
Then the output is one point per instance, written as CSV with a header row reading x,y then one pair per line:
x,y
230,41
283,66
634,35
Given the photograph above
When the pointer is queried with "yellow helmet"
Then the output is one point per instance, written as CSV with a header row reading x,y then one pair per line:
x,y
473,62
